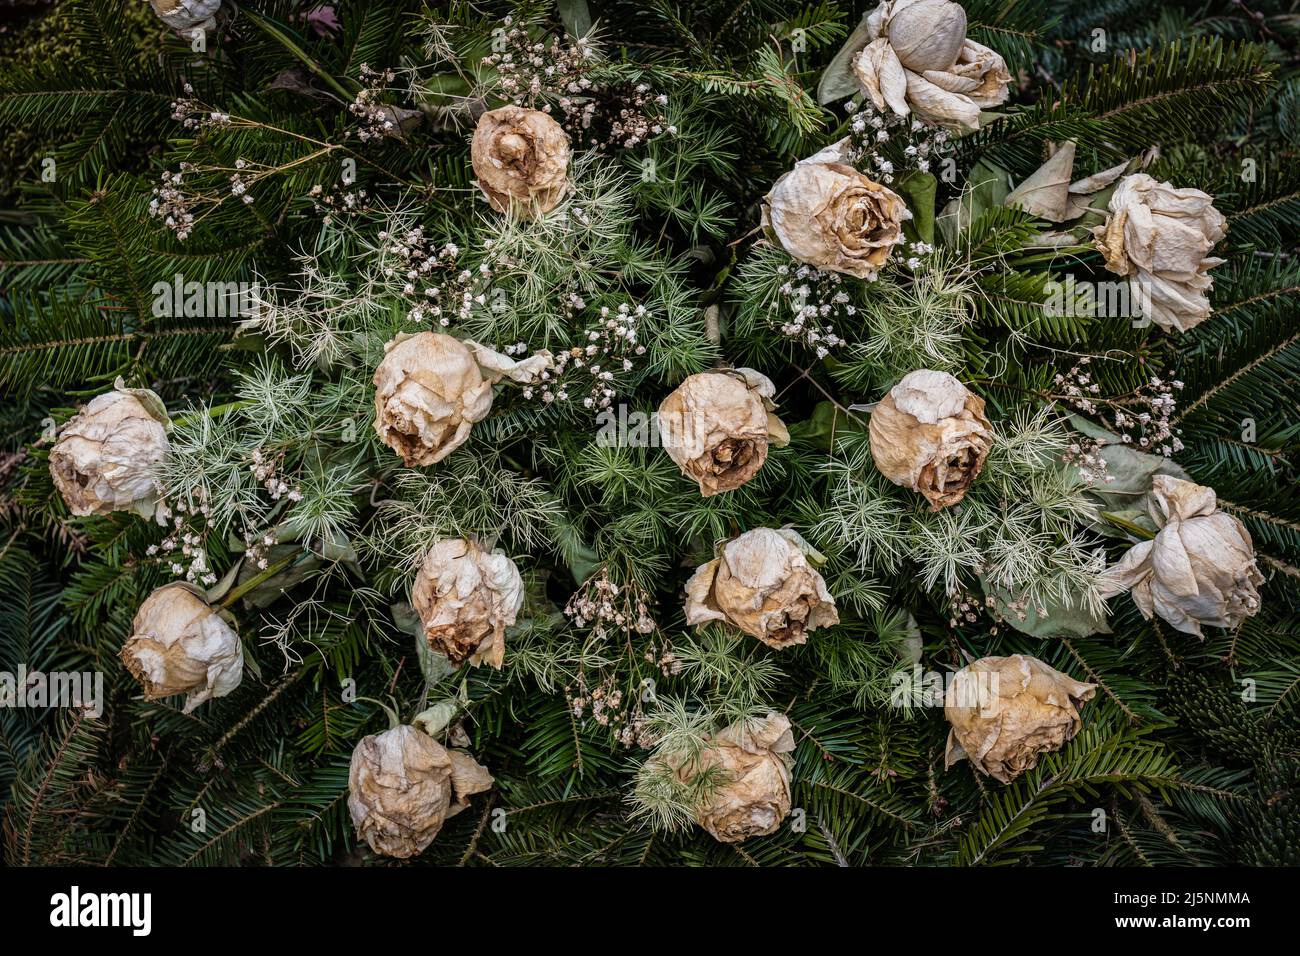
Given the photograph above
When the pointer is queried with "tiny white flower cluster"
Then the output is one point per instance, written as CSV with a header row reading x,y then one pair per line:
x,y
194,115
871,131
339,200
547,75
377,120
172,204
809,304
1143,418
608,351
429,277
605,606
182,550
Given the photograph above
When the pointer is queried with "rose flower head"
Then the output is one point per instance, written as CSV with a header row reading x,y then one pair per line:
x,y
185,15
521,159
1199,569
402,785
717,427
181,645
763,583
1006,711
930,434
1160,237
466,597
831,216
105,457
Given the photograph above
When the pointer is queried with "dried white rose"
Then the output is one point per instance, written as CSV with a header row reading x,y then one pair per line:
x,y
181,645
521,159
1006,711
918,60
402,785
717,427
1199,569
930,434
1160,237
763,583
466,598
831,216
187,15
749,778
106,456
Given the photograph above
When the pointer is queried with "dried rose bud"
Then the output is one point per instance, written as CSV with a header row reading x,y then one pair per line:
x,y
833,217
429,391
402,785
919,60
186,14
521,159
181,645
1160,237
930,434
105,457
762,583
1200,569
466,598
717,426
750,764
1005,711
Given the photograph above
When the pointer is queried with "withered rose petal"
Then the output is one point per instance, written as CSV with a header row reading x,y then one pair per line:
x,y
1200,569
186,14
1005,712
521,159
181,645
929,434
429,391
762,583
402,786
466,597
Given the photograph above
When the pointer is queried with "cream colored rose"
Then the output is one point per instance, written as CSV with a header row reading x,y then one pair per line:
x,y
762,583
919,60
106,456
717,426
930,434
1006,711
186,14
402,785
466,598
431,388
1200,569
1160,237
181,645
749,778
521,159
833,217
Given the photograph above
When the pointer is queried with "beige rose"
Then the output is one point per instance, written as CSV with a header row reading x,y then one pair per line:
x,y
186,14
762,583
1160,237
466,598
181,645
749,767
930,434
1199,569
106,455
521,159
1005,711
717,426
402,785
431,388
833,217
918,59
